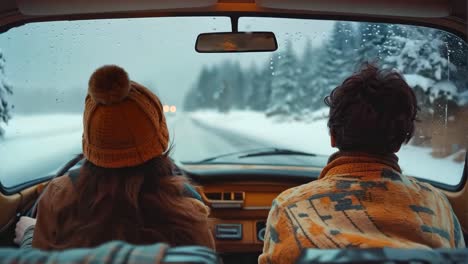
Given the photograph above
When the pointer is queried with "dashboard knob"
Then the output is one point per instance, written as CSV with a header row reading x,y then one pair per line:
x,y
261,234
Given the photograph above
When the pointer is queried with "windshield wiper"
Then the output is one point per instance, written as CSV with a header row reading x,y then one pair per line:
x,y
277,151
257,153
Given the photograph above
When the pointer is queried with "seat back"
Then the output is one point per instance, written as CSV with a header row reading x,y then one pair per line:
x,y
115,252
383,255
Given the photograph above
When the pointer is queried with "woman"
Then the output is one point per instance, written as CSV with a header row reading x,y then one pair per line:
x,y
125,190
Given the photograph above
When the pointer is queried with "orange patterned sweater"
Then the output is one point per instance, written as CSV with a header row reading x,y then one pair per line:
x,y
361,201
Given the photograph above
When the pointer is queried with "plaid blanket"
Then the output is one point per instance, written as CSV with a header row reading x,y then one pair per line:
x,y
359,201
115,252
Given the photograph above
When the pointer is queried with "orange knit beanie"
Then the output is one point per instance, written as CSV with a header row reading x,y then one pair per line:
x,y
124,124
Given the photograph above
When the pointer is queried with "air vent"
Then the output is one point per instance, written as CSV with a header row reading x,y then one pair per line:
x,y
225,196
261,229
213,195
228,231
225,199
238,196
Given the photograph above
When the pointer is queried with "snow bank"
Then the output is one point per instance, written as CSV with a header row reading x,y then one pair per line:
x,y
435,88
36,146
463,98
314,137
446,87
414,80
21,126
310,137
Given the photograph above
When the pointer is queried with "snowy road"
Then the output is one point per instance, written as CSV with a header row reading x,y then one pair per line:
x,y
196,141
30,154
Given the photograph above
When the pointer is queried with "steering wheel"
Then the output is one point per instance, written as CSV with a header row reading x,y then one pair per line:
x,y
33,211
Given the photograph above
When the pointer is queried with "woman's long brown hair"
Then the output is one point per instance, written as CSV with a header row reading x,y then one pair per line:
x,y
140,205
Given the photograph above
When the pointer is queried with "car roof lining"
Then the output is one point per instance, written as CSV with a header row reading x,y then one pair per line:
x,y
448,25
60,7
413,8
11,16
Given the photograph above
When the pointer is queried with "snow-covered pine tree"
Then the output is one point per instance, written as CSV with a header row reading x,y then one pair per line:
x,y
335,63
228,86
195,99
372,43
455,51
309,63
203,95
5,90
285,89
420,52
235,78
259,97
257,87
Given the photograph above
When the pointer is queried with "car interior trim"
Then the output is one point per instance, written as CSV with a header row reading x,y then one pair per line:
x,y
59,7
421,8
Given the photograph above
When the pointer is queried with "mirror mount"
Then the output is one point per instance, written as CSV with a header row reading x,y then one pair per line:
x,y
235,24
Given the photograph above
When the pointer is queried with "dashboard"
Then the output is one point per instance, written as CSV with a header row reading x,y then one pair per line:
x,y
240,199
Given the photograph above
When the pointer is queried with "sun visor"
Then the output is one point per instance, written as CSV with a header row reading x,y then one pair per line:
x,y
409,8
66,7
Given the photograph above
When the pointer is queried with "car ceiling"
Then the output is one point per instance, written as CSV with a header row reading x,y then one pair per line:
x,y
445,14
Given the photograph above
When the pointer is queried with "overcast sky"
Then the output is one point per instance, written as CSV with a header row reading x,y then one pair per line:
x,y
158,52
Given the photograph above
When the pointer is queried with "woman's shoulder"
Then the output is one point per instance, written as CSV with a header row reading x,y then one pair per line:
x,y
61,183
60,188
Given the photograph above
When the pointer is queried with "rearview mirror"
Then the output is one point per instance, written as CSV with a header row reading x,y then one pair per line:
x,y
236,42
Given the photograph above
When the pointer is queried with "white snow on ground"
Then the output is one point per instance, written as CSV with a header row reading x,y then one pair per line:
x,y
21,126
313,137
36,146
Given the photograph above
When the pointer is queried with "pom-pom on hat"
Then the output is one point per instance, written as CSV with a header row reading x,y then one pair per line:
x,y
124,124
109,84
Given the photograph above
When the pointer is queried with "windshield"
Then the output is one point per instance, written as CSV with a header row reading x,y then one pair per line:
x,y
217,104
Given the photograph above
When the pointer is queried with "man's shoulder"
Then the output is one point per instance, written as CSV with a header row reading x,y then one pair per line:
x,y
298,193
426,189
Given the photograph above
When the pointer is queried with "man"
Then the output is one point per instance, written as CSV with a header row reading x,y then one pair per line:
x,y
361,199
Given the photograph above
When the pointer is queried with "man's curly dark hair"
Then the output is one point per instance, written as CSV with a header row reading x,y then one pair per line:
x,y
372,111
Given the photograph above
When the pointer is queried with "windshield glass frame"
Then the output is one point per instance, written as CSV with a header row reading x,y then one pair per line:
x,y
262,16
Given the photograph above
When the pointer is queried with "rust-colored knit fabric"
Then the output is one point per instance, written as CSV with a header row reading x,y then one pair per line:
x,y
124,124
360,201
